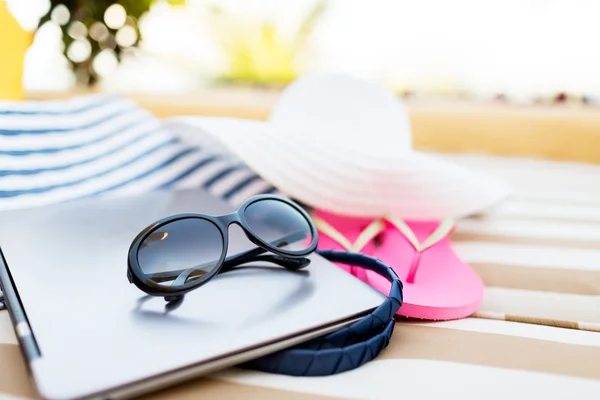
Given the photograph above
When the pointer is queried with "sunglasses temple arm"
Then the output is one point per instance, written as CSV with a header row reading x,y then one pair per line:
x,y
229,263
292,264
253,255
288,263
182,275
235,260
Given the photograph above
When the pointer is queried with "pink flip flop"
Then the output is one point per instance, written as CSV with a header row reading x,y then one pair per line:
x,y
437,284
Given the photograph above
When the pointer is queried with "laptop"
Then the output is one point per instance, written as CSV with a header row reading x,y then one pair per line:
x,y
85,332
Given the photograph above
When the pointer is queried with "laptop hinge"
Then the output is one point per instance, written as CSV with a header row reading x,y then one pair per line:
x,y
2,304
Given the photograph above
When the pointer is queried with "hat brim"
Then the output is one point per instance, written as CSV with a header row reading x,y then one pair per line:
x,y
412,186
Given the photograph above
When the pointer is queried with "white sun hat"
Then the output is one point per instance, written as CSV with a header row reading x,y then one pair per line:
x,y
344,145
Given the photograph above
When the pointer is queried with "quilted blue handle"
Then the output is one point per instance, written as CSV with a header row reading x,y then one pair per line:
x,y
349,347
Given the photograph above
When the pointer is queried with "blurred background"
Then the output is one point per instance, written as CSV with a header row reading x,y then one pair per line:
x,y
231,57
515,50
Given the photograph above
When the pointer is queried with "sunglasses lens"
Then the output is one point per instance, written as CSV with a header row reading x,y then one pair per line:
x,y
279,224
181,251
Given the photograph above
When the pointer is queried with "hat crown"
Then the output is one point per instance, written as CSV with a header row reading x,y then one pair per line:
x,y
347,112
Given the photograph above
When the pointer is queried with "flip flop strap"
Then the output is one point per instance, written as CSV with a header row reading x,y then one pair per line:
x,y
442,230
378,226
367,234
349,347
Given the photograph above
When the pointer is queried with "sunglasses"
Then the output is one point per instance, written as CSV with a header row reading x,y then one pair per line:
x,y
180,253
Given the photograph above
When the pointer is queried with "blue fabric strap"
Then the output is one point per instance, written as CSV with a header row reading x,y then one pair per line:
x,y
349,347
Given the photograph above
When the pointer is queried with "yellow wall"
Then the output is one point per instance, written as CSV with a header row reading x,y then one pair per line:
x,y
14,42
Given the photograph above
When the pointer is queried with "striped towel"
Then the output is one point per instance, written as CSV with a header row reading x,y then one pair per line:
x,y
54,151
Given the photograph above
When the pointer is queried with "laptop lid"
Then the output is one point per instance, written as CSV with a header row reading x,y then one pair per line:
x,y
87,332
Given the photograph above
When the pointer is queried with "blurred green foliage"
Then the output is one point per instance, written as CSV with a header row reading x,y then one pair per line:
x,y
92,11
259,54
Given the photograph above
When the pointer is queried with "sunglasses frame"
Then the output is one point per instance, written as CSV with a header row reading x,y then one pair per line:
x,y
222,223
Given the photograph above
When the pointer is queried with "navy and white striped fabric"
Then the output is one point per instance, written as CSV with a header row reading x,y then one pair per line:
x,y
60,150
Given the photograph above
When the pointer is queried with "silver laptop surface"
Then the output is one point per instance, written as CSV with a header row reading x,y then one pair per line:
x,y
87,332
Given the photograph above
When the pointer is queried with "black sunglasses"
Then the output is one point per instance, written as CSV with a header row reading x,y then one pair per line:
x,y
182,252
